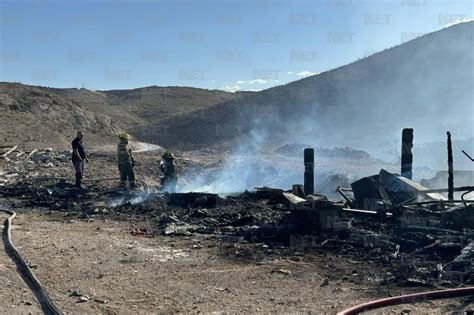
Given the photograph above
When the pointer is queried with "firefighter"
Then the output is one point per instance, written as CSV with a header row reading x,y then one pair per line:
x,y
168,167
79,155
126,162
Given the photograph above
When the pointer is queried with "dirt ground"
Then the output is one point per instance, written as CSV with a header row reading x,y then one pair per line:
x,y
123,274
98,267
15,295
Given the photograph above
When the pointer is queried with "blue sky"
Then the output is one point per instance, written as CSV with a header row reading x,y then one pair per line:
x,y
227,44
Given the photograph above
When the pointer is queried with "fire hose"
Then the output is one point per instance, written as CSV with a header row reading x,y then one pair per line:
x,y
408,298
27,274
144,184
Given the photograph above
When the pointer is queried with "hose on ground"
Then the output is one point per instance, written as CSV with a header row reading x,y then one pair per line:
x,y
408,298
27,274
144,184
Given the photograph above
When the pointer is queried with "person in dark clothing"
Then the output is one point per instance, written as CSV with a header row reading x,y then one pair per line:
x,y
79,155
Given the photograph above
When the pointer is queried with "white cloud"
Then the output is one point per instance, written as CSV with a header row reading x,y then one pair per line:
x,y
305,73
239,83
458,21
255,81
290,72
233,88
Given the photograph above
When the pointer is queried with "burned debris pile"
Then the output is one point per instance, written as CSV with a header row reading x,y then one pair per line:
x,y
423,235
19,165
421,242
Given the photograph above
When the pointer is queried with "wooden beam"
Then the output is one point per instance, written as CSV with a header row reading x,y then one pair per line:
x,y
9,151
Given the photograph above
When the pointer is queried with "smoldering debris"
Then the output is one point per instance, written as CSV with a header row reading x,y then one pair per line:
x,y
425,243
238,174
414,230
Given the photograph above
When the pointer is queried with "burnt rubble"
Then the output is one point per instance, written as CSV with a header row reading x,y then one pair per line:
x,y
20,165
423,244
415,231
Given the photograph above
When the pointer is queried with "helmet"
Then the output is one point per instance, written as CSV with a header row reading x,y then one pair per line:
x,y
168,156
124,136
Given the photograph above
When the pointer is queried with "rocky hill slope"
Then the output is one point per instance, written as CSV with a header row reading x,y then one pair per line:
x,y
137,107
35,116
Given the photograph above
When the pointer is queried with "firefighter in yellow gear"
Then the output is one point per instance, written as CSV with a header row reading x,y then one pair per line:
x,y
125,161
168,167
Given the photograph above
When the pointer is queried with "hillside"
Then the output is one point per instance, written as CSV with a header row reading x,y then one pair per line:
x,y
137,107
426,84
48,117
32,118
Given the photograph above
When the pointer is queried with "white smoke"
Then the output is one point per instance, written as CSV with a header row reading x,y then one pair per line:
x,y
425,84
134,199
243,170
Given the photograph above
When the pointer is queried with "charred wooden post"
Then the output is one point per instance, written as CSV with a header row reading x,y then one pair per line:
x,y
298,190
450,169
309,171
407,156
